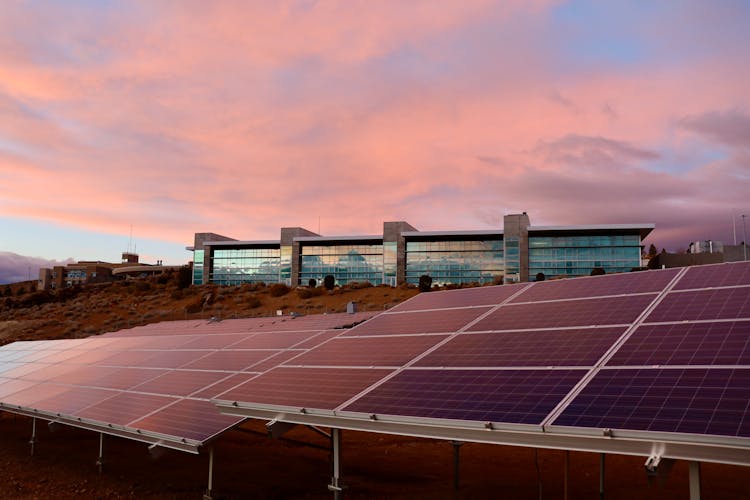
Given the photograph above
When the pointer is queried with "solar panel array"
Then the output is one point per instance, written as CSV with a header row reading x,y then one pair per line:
x,y
658,351
661,351
154,382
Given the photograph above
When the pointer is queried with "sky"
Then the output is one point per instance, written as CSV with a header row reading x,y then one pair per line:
x,y
160,119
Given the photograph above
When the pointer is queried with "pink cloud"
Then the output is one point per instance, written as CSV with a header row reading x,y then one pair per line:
x,y
242,118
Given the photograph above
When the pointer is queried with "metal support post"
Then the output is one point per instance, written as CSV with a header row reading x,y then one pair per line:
x,y
335,485
100,460
695,480
209,490
33,435
601,476
456,463
567,474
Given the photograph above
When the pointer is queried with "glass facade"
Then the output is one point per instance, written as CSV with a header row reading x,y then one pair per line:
x,y
347,263
390,262
285,265
198,267
455,261
512,259
578,255
245,265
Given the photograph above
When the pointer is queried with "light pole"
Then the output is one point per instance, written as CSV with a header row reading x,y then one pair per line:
x,y
744,237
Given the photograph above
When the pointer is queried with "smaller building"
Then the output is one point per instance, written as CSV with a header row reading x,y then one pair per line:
x,y
700,253
86,272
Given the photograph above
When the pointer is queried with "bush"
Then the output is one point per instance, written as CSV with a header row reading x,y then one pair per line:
x,y
358,285
307,293
329,282
312,283
425,283
278,290
540,277
598,271
253,302
176,294
184,277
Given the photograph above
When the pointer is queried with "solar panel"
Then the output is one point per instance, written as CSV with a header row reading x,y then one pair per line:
x,y
509,396
690,400
323,388
70,400
488,295
557,314
160,374
441,321
369,351
610,284
573,347
191,418
124,407
180,382
718,303
721,343
716,275
229,360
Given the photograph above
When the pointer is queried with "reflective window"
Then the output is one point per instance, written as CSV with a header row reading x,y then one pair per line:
x,y
455,261
235,266
578,255
346,263
198,267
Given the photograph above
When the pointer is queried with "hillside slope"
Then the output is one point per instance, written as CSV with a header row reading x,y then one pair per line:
x,y
94,309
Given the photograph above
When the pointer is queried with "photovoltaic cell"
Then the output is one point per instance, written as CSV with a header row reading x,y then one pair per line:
x,y
509,396
9,386
318,339
274,340
716,275
488,295
723,343
191,418
594,286
124,407
224,385
321,388
581,312
106,377
229,360
180,382
577,347
693,400
72,399
369,351
717,303
442,321
273,361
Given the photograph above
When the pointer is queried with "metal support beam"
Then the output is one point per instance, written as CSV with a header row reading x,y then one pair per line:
x,y
209,490
695,481
335,485
32,441
601,476
100,460
566,480
456,463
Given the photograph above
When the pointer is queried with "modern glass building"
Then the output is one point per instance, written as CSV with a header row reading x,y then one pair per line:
x,y
517,253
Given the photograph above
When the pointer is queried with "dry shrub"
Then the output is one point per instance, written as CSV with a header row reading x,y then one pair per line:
x,y
278,290
307,293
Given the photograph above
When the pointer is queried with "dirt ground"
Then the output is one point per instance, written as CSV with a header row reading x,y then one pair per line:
x,y
250,465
